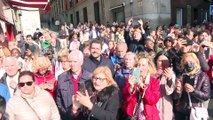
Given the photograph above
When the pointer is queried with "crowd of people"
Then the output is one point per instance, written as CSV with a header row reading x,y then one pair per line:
x,y
125,71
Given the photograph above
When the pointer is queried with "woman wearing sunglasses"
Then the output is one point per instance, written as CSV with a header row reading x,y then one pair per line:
x,y
31,102
100,101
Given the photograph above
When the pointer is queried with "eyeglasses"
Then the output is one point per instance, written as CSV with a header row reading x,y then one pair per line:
x,y
22,84
98,78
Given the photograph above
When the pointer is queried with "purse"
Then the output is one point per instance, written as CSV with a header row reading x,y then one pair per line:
x,y
198,113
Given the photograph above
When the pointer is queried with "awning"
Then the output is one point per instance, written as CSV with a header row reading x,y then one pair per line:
x,y
40,4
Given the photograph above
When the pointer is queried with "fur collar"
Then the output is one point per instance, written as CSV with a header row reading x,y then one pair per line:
x,y
103,95
106,93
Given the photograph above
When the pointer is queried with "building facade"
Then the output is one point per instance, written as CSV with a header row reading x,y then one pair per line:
x,y
158,12
190,11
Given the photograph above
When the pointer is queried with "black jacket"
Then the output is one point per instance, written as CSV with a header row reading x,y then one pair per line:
x,y
90,64
105,107
135,46
199,95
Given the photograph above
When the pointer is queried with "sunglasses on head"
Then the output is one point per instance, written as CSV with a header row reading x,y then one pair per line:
x,y
22,84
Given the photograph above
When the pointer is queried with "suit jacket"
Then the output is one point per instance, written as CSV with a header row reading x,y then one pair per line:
x,y
65,90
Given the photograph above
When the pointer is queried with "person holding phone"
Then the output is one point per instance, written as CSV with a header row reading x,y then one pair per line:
x,y
193,82
99,101
167,78
140,97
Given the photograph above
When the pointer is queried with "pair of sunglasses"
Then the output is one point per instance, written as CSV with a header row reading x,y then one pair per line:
x,y
22,84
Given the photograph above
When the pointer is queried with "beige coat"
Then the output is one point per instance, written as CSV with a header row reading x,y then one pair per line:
x,y
165,103
41,102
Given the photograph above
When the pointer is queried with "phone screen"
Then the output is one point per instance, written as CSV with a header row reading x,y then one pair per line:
x,y
189,79
81,87
136,74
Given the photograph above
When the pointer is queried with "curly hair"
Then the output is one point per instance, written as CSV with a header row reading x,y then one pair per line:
x,y
41,62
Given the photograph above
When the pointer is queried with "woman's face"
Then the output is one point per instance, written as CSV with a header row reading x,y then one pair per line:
x,y
26,85
42,71
111,45
65,65
15,53
162,62
144,66
99,82
188,64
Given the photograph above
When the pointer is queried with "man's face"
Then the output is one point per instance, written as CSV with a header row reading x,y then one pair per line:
x,y
137,35
191,35
28,40
150,45
185,48
95,50
75,63
121,51
203,36
11,67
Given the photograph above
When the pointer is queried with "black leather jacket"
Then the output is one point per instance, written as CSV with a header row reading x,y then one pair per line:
x,y
200,94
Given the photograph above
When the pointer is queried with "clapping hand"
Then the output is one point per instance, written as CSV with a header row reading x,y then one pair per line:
x,y
140,21
84,99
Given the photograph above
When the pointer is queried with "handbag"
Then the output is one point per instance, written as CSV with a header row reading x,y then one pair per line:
x,y
198,113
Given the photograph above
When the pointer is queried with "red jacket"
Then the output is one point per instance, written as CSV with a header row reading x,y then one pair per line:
x,y
151,97
48,78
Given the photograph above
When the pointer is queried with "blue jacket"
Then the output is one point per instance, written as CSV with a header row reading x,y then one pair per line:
x,y
120,77
4,92
65,91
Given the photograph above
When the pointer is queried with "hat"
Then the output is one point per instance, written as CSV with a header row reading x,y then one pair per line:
x,y
45,44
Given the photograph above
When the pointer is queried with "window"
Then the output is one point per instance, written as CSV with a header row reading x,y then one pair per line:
x,y
85,14
179,16
97,12
77,17
71,18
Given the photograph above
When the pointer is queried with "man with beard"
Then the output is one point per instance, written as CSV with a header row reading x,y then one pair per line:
x,y
96,59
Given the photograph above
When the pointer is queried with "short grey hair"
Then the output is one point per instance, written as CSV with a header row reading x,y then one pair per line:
x,y
12,58
131,54
76,53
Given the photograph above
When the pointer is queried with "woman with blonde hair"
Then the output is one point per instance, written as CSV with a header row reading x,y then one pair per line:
x,y
141,96
62,64
100,100
193,84
44,77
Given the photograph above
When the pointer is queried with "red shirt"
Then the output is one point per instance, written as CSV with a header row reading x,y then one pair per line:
x,y
75,81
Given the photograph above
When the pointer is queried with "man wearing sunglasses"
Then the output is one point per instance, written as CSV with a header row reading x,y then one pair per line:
x,y
30,102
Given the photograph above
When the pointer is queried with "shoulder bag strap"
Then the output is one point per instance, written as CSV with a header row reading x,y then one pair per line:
x,y
190,101
31,108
